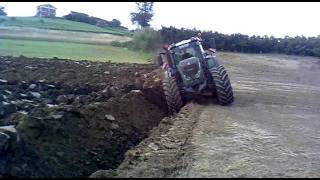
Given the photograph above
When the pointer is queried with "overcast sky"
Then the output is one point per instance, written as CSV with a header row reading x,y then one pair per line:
x,y
259,18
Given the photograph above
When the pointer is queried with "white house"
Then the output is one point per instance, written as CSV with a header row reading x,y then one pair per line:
x,y
46,10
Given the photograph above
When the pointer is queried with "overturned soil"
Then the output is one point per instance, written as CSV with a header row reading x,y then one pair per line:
x,y
75,117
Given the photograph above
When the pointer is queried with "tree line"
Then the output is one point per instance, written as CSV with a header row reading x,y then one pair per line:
x,y
85,18
299,45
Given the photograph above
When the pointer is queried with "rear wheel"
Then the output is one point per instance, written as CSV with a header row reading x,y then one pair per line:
x,y
222,86
172,93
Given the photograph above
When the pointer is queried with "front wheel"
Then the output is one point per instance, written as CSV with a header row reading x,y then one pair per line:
x,y
172,93
222,85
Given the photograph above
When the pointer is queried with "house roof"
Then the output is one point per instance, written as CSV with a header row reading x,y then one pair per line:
x,y
48,6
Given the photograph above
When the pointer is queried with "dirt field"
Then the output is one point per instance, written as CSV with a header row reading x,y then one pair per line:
x,y
271,130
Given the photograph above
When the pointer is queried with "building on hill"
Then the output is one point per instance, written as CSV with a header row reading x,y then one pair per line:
x,y
2,13
46,10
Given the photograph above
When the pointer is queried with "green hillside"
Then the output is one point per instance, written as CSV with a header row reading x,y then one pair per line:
x,y
76,51
57,24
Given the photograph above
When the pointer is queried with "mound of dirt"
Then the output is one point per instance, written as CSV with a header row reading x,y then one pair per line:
x,y
75,117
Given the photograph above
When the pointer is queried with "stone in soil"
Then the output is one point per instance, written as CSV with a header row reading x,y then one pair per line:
x,y
109,117
9,128
136,91
26,100
8,92
50,86
23,112
52,105
21,95
32,86
57,114
36,94
3,82
153,146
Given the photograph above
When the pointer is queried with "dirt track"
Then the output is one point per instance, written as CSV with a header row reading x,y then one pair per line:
x,y
271,130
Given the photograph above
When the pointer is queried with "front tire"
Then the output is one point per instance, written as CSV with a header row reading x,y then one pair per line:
x,y
172,94
222,85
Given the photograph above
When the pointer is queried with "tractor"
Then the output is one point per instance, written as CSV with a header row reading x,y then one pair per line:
x,y
189,69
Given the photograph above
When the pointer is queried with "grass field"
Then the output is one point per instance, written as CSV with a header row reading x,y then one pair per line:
x,y
57,24
28,33
75,51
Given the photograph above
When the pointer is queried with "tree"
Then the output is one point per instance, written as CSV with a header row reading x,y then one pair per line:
x,y
2,13
79,17
143,15
115,23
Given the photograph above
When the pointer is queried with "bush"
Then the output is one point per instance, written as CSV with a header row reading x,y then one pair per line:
x,y
117,44
146,39
115,23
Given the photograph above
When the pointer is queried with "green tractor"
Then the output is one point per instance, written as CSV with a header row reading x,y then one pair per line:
x,y
189,69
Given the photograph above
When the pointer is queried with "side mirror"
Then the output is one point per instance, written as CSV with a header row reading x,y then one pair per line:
x,y
212,43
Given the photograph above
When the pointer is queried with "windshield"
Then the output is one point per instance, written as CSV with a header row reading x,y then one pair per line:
x,y
186,51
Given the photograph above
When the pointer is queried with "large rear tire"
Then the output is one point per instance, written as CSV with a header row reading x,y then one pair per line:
x,y
222,85
172,93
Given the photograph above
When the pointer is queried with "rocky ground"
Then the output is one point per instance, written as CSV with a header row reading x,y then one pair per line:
x,y
63,118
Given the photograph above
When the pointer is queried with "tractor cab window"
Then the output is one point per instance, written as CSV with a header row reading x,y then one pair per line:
x,y
184,52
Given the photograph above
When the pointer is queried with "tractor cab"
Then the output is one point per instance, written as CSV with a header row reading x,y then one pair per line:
x,y
185,49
